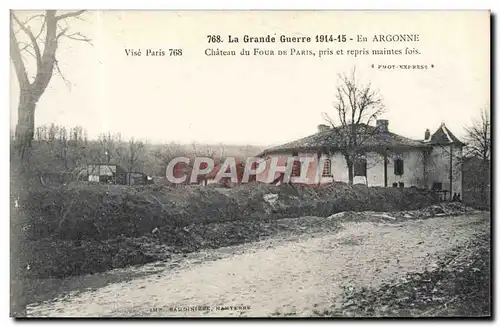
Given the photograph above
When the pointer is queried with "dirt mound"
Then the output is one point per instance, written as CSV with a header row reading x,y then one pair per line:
x,y
82,228
436,210
291,201
55,258
88,212
60,258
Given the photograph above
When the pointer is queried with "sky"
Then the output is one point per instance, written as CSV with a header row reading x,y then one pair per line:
x,y
259,100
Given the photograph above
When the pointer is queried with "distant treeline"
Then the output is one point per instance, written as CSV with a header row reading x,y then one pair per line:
x,y
58,149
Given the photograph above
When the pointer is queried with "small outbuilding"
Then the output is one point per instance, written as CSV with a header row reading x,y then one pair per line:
x,y
106,173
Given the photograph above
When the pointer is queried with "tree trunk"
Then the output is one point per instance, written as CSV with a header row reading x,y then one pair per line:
x,y
485,177
25,127
350,168
31,92
24,178
65,157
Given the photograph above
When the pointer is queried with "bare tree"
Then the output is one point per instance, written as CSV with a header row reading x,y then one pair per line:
x,y
41,133
166,153
76,133
42,46
53,131
135,155
222,150
63,140
479,137
357,106
478,140
108,147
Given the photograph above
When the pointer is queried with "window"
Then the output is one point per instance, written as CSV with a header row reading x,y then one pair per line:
x,y
296,168
437,186
295,165
398,167
360,167
327,168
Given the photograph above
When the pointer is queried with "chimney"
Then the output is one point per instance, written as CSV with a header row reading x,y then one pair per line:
x,y
383,125
427,134
323,128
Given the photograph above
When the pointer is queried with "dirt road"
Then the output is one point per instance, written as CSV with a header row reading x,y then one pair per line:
x,y
279,276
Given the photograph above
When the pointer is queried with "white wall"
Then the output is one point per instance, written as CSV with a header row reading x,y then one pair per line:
x,y
457,185
413,164
375,169
439,167
414,173
339,168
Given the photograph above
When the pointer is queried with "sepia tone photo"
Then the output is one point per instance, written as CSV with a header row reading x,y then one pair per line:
x,y
271,164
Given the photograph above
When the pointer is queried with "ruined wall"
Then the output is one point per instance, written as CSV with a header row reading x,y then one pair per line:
x,y
339,168
413,174
438,167
413,168
457,186
374,169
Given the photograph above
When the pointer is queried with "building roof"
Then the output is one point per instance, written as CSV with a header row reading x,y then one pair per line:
x,y
376,138
332,138
103,169
443,136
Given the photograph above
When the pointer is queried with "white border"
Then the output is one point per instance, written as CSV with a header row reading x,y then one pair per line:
x,y
189,5
256,4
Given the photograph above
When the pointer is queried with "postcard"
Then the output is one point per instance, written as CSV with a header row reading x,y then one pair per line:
x,y
276,164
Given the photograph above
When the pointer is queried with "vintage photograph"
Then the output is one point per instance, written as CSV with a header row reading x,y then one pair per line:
x,y
276,164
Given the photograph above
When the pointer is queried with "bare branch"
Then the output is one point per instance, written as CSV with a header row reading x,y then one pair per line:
x,y
479,137
43,49
62,32
24,46
70,14
33,17
68,84
26,29
29,52
15,54
41,28
356,107
77,37
44,74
